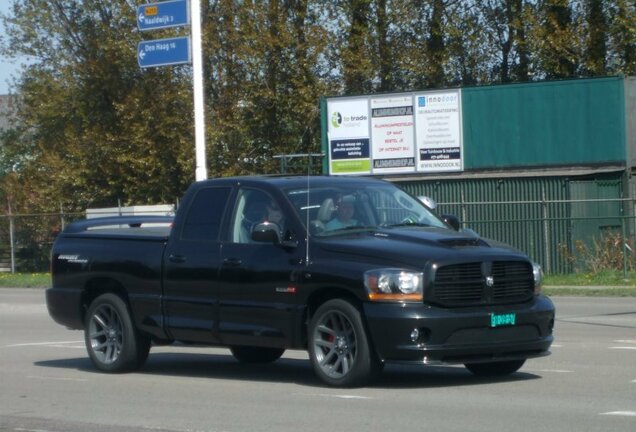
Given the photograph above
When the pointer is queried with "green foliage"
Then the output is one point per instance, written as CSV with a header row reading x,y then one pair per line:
x,y
607,253
587,279
94,128
25,280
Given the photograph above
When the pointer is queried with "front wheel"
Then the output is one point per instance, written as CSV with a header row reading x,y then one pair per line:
x,y
112,342
495,368
339,348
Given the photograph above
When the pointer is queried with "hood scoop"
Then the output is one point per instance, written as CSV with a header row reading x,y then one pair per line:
x,y
464,242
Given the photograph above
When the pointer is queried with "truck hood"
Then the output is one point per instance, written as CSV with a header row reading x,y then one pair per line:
x,y
415,246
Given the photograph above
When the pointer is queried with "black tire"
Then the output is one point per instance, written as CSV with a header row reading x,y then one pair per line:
x,y
250,354
112,342
495,368
339,347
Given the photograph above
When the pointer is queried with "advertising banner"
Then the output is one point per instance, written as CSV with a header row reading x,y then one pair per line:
x,y
348,136
396,133
392,134
439,137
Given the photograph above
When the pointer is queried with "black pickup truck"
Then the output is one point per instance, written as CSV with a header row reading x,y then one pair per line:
x,y
354,270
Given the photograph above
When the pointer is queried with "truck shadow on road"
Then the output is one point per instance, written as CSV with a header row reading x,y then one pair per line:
x,y
291,370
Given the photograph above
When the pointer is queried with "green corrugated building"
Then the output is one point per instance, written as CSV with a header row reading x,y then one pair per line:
x,y
545,166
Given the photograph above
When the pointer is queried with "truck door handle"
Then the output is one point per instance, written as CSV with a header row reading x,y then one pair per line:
x,y
232,262
177,258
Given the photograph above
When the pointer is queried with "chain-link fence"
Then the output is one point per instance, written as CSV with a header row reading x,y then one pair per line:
x,y
26,239
563,236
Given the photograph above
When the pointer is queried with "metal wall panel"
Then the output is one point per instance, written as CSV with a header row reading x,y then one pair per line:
x,y
630,119
532,214
542,124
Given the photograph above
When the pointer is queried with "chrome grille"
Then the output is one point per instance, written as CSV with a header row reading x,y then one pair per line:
x,y
465,284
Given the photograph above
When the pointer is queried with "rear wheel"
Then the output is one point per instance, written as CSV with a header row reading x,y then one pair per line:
x,y
495,368
250,354
339,347
112,342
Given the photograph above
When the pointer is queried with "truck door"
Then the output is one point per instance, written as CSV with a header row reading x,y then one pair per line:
x,y
257,291
191,268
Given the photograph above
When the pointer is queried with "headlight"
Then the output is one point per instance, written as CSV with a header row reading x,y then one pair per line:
x,y
394,285
537,273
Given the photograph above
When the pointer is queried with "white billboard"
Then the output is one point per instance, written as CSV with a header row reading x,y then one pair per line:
x,y
439,131
348,136
395,134
392,134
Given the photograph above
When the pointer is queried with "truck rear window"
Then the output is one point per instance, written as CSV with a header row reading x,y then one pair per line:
x,y
203,221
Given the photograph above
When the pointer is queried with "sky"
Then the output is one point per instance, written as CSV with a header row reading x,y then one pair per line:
x,y
8,67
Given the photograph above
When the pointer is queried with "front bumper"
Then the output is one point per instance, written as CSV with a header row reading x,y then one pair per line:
x,y
459,335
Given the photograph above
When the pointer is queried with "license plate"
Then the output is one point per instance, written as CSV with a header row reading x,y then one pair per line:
x,y
499,320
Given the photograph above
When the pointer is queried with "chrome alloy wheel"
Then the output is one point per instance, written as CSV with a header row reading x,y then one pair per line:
x,y
335,344
105,333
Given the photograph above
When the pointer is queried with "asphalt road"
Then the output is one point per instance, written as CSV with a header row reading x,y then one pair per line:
x,y
48,384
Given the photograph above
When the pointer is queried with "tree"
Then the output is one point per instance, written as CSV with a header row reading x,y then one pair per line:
x,y
622,37
357,57
596,41
264,61
436,44
95,128
506,28
556,44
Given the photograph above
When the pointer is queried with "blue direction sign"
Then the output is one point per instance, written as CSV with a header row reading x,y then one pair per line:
x,y
162,15
164,52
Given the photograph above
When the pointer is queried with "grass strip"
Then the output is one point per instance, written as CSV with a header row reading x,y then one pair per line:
x,y
25,280
574,291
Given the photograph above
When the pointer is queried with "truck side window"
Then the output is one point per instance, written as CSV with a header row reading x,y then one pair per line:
x,y
203,221
253,206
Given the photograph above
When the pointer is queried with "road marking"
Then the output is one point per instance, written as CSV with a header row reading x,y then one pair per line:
x,y
556,346
625,341
31,430
41,344
335,396
549,370
623,347
56,378
69,346
621,413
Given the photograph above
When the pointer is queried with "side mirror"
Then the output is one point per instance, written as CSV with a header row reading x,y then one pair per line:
x,y
452,221
266,232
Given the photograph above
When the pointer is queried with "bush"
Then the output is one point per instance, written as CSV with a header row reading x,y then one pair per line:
x,y
605,253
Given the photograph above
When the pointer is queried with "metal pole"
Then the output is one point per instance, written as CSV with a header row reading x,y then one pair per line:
x,y
11,236
546,232
62,219
624,241
201,171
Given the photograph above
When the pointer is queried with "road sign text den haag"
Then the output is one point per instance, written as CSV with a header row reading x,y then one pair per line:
x,y
164,52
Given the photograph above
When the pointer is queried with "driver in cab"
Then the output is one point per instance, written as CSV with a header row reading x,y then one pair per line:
x,y
344,214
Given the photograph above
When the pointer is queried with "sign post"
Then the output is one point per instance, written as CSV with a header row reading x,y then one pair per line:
x,y
179,50
201,171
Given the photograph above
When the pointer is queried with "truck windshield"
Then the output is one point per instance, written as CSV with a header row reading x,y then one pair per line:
x,y
335,209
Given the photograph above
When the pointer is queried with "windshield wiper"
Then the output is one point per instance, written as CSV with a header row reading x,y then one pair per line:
x,y
404,224
349,228
354,227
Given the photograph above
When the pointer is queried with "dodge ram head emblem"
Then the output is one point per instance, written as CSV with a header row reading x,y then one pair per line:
x,y
490,281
